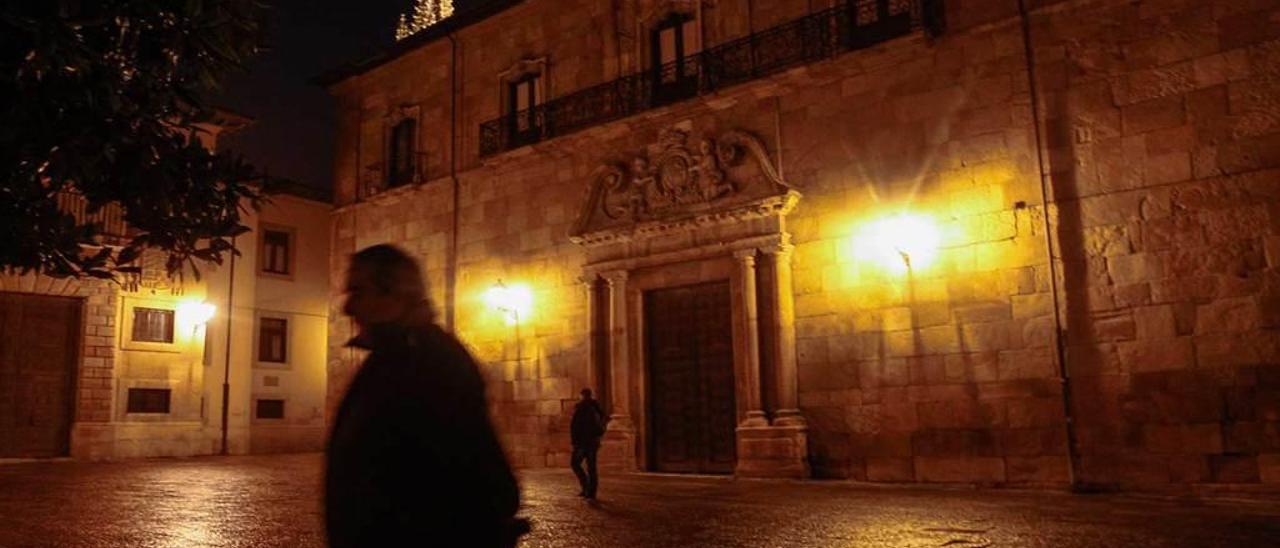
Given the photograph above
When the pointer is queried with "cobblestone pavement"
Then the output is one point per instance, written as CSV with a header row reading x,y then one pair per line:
x,y
274,501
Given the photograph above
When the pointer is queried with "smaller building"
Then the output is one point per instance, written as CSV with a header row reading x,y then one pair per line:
x,y
287,349
136,368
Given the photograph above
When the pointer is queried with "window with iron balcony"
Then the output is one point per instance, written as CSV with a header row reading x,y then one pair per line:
x,y
523,98
402,153
680,69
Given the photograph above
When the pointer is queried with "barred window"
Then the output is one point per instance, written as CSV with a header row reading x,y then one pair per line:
x,y
152,325
270,409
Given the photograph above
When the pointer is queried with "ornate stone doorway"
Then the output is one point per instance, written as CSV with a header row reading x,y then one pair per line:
x,y
654,226
689,350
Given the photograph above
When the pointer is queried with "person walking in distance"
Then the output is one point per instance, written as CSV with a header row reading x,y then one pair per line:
x,y
584,432
413,459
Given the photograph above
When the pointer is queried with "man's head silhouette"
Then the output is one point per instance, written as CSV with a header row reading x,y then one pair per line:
x,y
385,286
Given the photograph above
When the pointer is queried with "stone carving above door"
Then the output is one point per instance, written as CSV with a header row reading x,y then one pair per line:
x,y
676,181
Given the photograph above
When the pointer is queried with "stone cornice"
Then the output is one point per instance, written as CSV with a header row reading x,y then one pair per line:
x,y
772,206
722,249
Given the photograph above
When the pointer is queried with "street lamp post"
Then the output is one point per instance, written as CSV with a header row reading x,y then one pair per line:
x,y
226,369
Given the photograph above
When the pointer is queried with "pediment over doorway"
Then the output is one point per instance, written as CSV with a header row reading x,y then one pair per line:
x,y
677,185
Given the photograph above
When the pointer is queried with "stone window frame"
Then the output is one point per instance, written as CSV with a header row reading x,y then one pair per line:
x,y
167,333
289,337
678,23
273,326
291,251
127,306
394,117
168,400
529,67
284,408
122,400
648,23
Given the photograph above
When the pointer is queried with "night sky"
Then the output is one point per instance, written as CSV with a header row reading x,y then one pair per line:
x,y
293,133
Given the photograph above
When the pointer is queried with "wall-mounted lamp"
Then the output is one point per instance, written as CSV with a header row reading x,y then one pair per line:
x,y
901,242
513,301
195,314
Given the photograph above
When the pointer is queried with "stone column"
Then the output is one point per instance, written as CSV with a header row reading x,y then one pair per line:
x,y
780,449
619,352
618,448
593,337
783,330
746,259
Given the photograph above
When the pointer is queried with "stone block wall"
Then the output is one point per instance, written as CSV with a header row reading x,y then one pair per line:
x,y
1161,126
1154,125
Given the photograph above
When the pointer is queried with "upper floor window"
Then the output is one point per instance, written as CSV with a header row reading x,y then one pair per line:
x,y
273,340
152,325
523,95
276,252
402,155
673,43
674,39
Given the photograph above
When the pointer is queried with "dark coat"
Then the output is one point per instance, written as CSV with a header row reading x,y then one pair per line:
x,y
413,459
587,425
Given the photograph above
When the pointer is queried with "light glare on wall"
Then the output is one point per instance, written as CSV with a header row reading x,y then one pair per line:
x,y
195,313
900,243
514,301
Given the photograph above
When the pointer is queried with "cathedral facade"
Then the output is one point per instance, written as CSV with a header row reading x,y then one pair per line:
x,y
989,241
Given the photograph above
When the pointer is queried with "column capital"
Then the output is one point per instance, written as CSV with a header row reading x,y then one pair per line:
x,y
780,249
745,256
588,280
614,277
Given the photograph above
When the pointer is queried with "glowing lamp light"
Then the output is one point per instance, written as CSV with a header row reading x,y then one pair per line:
x,y
194,313
513,301
900,243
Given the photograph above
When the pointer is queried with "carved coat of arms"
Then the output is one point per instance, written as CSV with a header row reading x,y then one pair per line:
x,y
675,179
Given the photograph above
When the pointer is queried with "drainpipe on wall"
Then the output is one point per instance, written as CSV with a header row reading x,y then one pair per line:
x,y
777,132
1063,371
226,371
451,274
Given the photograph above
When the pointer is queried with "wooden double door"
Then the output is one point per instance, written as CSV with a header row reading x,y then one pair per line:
x,y
689,355
39,346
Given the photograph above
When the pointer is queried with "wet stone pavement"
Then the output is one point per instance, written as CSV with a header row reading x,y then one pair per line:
x,y
274,501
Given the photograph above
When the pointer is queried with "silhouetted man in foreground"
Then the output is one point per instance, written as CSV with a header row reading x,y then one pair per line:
x,y
585,432
413,459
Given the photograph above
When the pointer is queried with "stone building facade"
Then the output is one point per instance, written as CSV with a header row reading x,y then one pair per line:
x,y
815,242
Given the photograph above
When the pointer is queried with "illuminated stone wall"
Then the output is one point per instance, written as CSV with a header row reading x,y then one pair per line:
x,y
1159,135
1162,143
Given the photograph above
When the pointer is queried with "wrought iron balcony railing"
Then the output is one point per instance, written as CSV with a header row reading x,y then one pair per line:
x,y
854,25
